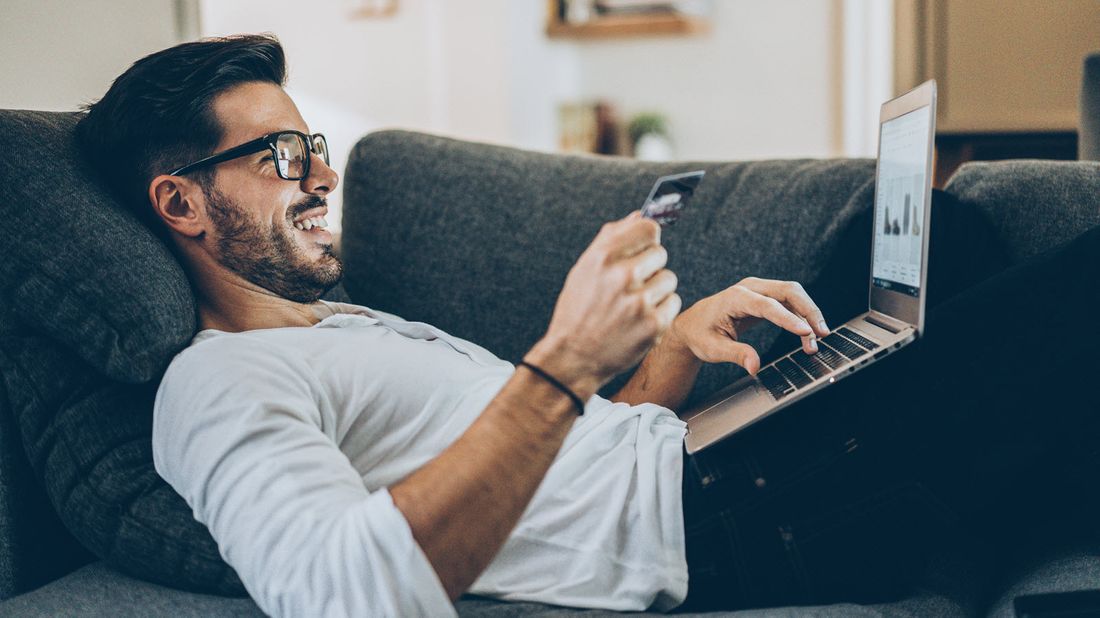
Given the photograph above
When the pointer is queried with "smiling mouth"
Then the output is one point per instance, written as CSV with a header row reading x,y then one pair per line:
x,y
311,223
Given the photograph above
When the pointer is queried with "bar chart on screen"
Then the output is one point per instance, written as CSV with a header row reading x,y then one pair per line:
x,y
898,241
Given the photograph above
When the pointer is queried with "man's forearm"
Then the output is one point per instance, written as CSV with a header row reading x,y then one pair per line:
x,y
665,376
462,505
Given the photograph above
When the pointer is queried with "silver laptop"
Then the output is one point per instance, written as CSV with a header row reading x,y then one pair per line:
x,y
899,268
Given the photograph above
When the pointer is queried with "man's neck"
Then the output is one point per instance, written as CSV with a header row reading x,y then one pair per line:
x,y
232,305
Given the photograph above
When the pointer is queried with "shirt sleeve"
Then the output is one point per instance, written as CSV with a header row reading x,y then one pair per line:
x,y
239,433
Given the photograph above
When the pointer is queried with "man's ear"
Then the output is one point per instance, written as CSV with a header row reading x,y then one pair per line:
x,y
180,203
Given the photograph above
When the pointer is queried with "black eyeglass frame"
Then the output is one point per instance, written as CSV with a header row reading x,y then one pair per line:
x,y
269,142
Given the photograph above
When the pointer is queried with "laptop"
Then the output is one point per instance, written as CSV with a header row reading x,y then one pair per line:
x,y
897,290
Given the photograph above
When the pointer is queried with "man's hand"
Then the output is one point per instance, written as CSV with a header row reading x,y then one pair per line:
x,y
710,328
617,301
708,332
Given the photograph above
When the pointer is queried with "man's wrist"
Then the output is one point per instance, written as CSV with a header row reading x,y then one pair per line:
x,y
675,342
557,358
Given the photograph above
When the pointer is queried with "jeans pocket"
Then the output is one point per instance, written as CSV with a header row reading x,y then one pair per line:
x,y
869,550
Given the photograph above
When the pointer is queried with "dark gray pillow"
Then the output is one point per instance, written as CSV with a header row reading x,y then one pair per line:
x,y
81,270
94,308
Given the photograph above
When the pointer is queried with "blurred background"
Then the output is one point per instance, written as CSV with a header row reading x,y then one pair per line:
x,y
687,79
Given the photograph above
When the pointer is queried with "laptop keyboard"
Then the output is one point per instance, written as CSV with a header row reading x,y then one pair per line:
x,y
810,365
858,338
845,347
798,369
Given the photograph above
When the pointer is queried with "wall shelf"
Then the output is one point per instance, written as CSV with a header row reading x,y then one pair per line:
x,y
623,26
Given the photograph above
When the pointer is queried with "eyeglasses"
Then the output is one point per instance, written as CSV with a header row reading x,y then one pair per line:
x,y
290,153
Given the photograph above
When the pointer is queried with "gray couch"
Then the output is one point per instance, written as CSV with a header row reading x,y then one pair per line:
x,y
473,238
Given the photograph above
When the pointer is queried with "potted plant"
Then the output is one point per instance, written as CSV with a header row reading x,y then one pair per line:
x,y
649,136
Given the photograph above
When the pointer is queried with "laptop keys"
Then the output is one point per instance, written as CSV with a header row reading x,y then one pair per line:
x,y
799,369
842,345
772,380
829,356
791,371
810,365
858,338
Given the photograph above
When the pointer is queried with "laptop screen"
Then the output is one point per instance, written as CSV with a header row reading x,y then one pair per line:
x,y
899,202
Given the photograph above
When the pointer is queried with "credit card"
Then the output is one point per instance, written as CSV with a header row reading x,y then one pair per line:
x,y
670,195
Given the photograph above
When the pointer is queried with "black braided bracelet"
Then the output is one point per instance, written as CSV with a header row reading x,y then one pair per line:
x,y
558,385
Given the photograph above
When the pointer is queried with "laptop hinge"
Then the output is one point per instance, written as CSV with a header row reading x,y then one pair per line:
x,y
885,322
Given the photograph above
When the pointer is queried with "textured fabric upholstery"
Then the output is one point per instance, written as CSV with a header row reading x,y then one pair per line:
x,y
97,590
479,241
93,309
1033,205
1061,555
34,546
85,273
1088,131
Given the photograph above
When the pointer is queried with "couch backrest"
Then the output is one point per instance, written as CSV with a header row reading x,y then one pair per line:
x,y
477,239
1033,205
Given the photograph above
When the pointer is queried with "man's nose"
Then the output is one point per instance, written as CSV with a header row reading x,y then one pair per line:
x,y
322,179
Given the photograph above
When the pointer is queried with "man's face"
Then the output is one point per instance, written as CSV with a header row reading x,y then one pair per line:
x,y
255,213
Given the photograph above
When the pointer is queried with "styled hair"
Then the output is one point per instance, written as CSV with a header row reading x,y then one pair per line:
x,y
157,116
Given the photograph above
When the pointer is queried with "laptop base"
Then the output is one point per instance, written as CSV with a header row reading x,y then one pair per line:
x,y
750,399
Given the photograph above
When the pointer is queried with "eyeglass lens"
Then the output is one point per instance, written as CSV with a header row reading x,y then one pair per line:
x,y
292,154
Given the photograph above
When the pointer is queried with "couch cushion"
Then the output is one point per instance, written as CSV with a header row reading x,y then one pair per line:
x,y
98,590
1033,205
1059,553
34,546
83,271
477,239
88,440
92,308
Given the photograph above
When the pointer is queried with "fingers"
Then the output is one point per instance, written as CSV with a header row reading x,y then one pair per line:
x,y
741,354
770,309
644,265
794,296
667,312
659,287
630,235
668,309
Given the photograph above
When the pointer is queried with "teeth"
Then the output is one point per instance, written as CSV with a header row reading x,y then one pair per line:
x,y
310,223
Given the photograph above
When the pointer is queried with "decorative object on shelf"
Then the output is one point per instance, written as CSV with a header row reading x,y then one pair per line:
x,y
595,19
686,7
649,137
590,128
372,9
578,11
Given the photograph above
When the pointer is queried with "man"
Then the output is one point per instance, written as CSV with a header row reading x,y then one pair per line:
x,y
349,462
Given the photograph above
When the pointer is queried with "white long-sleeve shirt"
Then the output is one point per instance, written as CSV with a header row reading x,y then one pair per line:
x,y
283,441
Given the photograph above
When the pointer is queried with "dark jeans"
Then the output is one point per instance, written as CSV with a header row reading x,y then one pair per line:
x,y
971,435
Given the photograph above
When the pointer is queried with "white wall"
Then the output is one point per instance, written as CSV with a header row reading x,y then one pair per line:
x,y
57,55
760,85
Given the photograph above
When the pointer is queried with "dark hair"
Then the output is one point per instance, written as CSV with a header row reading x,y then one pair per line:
x,y
157,116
